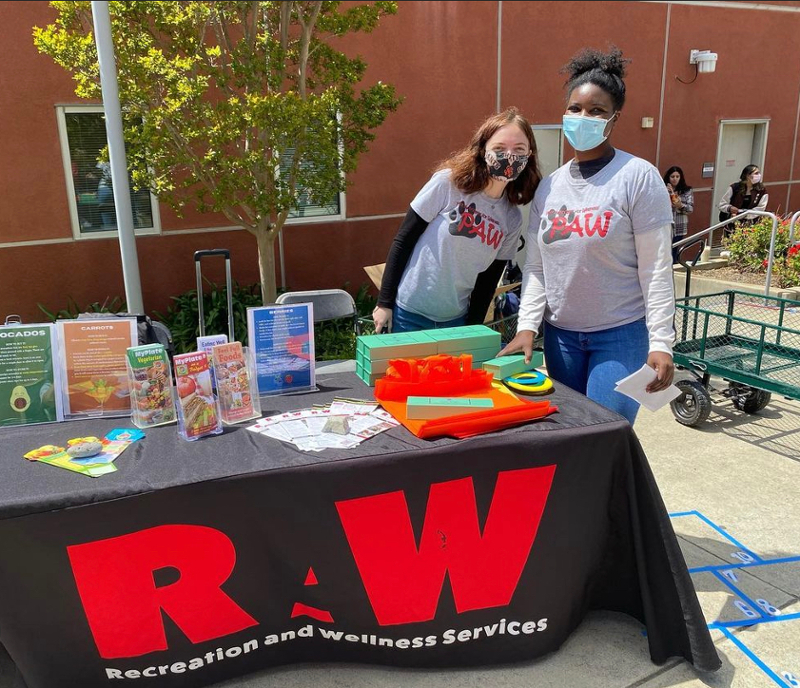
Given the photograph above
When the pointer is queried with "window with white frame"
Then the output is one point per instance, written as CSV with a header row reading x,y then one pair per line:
x,y
306,208
91,197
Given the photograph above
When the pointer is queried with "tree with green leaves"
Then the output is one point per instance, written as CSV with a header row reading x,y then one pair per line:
x,y
237,107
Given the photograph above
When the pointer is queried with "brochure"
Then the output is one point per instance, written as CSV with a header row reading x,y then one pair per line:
x,y
198,413
150,381
236,385
28,384
282,341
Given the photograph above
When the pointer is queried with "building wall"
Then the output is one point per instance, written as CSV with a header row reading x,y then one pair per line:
x,y
443,58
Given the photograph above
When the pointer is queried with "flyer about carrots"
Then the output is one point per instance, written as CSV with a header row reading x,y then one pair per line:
x,y
93,354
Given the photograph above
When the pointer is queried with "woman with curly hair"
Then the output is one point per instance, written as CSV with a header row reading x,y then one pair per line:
x,y
599,264
462,227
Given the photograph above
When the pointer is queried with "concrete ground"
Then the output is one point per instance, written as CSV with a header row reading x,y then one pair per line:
x,y
740,476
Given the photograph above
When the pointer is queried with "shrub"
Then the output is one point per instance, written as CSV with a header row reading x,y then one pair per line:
x,y
749,245
183,319
73,310
334,339
788,269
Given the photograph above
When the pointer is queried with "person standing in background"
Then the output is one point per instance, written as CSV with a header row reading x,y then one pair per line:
x,y
682,198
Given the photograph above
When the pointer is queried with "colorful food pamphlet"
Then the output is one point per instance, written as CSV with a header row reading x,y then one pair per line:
x,y
238,395
85,455
150,380
198,414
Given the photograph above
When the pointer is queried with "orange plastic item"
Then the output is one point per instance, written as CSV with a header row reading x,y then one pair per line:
x,y
434,376
468,425
452,376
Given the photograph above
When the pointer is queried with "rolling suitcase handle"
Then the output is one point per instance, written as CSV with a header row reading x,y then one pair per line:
x,y
198,255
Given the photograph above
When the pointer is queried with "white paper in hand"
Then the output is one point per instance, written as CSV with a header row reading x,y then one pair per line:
x,y
635,385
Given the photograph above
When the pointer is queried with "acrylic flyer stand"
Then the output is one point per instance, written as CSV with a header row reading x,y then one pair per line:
x,y
29,375
150,381
236,383
92,362
198,409
282,341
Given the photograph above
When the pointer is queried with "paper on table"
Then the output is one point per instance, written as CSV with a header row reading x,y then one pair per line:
x,y
351,407
368,426
296,428
634,386
385,416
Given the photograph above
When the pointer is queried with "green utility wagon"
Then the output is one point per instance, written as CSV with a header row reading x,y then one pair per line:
x,y
750,341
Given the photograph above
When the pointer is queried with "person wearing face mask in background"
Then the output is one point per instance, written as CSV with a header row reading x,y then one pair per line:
x,y
462,227
599,265
682,198
746,194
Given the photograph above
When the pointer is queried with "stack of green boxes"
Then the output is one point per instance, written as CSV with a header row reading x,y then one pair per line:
x,y
373,352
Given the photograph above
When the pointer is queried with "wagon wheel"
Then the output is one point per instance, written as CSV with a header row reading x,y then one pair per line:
x,y
693,405
748,399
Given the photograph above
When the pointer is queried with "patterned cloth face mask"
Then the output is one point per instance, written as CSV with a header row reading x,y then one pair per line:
x,y
505,166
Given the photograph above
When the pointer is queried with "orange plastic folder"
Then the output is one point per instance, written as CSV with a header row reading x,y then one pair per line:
x,y
453,376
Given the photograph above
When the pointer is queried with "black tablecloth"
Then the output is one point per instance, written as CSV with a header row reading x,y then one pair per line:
x,y
200,561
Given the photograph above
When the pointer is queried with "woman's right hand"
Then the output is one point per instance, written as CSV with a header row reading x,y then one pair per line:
x,y
523,342
382,317
734,211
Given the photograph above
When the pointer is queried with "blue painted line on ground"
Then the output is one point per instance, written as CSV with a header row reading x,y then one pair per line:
x,y
753,605
752,656
727,536
742,565
754,622
713,525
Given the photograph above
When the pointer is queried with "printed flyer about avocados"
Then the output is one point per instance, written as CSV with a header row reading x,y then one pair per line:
x,y
28,386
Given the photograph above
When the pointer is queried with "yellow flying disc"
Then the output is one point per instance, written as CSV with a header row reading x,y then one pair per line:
x,y
532,382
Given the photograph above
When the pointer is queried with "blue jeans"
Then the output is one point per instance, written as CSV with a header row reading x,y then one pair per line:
x,y
593,362
406,321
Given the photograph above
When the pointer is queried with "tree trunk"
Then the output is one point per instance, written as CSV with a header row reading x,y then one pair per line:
x,y
266,263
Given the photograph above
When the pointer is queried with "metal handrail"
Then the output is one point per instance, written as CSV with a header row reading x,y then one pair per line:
x,y
696,238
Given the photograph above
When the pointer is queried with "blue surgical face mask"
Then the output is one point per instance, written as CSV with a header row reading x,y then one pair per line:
x,y
585,133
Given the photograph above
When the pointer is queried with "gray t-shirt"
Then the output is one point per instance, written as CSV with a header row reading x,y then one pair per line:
x,y
465,234
584,229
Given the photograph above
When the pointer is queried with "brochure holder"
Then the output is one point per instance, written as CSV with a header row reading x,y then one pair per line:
x,y
282,341
29,375
198,408
236,383
93,369
150,382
